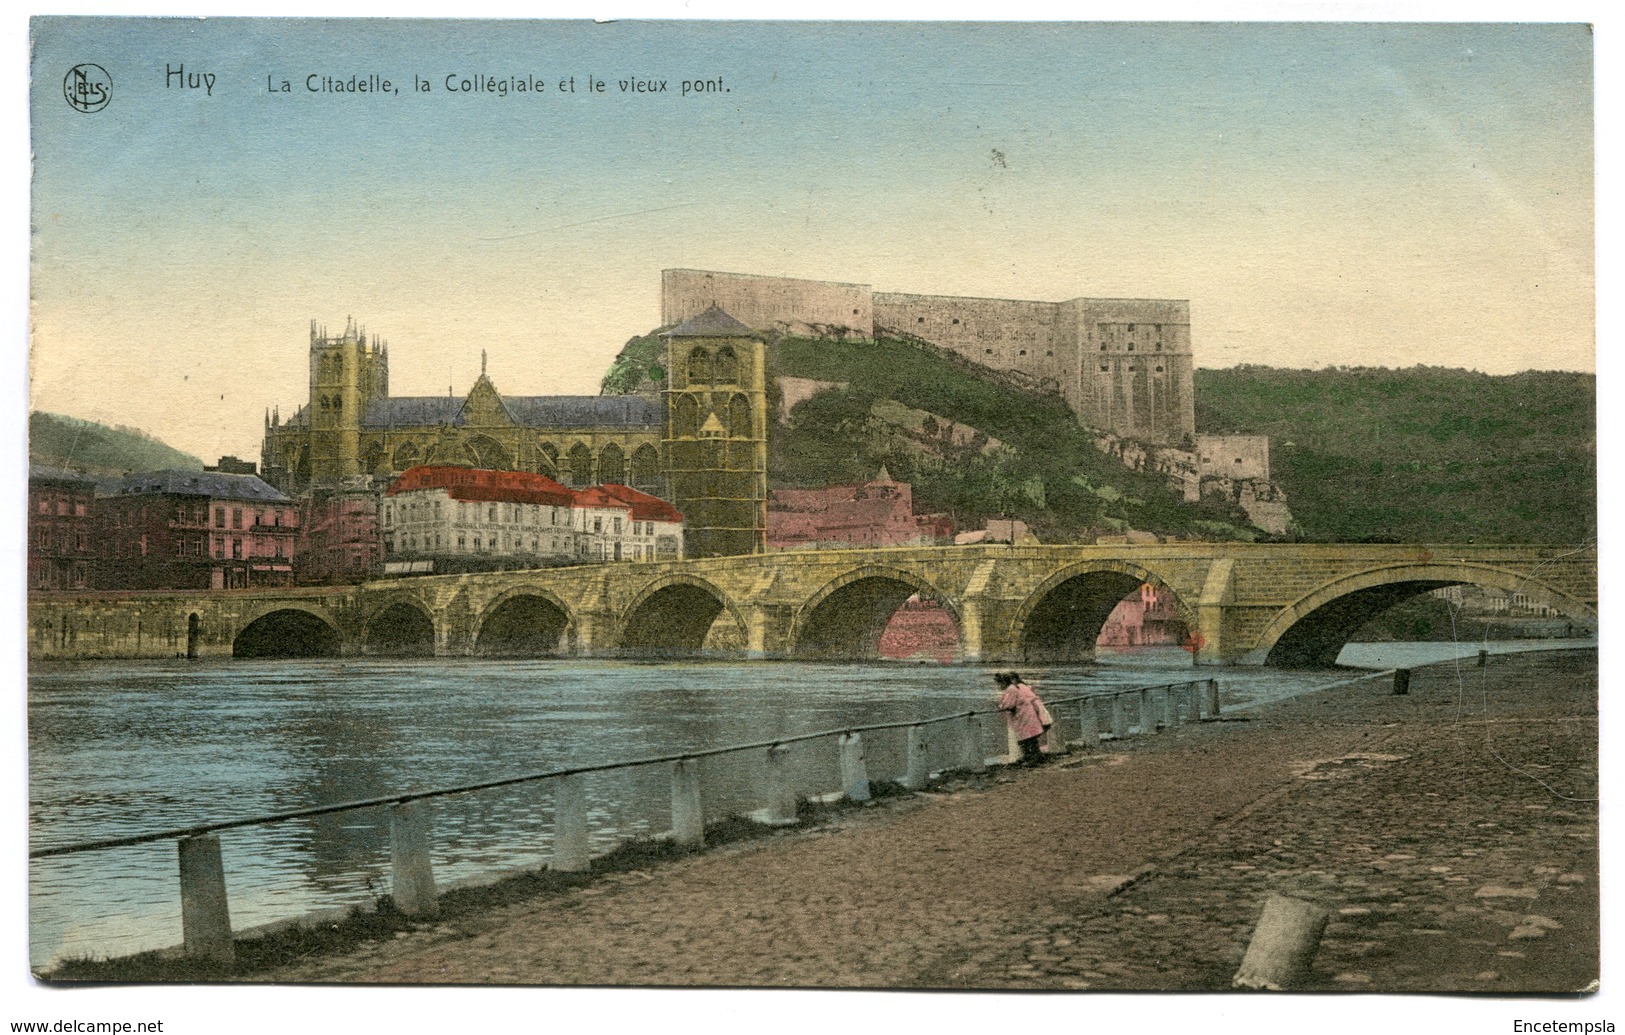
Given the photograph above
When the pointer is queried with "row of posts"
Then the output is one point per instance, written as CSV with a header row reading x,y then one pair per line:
x,y
206,920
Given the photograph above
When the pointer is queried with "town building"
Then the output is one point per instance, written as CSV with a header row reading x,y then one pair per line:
x,y
702,444
339,535
874,513
455,519
1148,618
194,530
62,537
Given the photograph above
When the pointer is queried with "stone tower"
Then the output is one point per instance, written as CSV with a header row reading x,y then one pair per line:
x,y
346,373
716,433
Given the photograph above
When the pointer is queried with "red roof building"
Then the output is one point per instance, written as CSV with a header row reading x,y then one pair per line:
x,y
448,519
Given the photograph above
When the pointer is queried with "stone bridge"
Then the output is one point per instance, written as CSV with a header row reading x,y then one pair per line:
x,y
1279,604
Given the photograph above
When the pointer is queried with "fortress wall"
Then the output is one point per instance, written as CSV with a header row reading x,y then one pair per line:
x,y
766,303
1136,374
1233,456
1002,333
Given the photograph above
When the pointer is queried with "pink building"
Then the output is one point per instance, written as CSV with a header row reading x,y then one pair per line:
x,y
195,530
1147,619
877,513
339,541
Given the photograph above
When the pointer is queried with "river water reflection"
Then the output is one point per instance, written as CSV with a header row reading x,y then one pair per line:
x,y
126,748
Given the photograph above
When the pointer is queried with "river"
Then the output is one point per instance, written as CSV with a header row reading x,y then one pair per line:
x,y
130,747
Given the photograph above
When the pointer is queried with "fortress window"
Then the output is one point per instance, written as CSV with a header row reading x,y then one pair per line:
x,y
956,321
1023,352
988,351
1103,346
1159,368
1051,352
1159,346
1104,368
919,319
1131,328
1131,346
854,312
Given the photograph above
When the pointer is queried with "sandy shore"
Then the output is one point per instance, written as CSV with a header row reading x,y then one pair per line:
x,y
1451,832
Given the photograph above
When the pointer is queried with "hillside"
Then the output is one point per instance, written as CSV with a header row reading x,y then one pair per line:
x,y
1419,455
58,441
1030,459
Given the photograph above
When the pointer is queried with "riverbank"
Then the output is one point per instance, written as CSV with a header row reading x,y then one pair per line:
x,y
1418,820
1452,832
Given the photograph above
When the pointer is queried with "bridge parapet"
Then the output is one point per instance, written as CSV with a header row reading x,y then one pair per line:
x,y
1010,603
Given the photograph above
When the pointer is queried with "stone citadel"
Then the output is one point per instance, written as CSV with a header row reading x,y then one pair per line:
x,y
1124,365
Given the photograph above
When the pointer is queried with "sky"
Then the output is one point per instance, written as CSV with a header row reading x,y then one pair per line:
x,y
1323,194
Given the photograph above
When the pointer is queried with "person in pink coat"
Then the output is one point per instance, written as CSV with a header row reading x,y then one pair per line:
x,y
1024,713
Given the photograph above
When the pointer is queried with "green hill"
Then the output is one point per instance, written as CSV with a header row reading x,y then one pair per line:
x,y
1419,455
58,441
1044,468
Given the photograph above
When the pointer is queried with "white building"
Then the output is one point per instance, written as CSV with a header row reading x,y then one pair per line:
x,y
448,519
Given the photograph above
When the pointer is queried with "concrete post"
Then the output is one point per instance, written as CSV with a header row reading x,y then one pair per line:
x,y
1148,711
1192,693
854,773
1055,738
1089,723
1283,944
1012,746
205,919
781,790
917,772
411,880
570,853
1120,724
1402,681
973,758
687,813
1170,706
1213,698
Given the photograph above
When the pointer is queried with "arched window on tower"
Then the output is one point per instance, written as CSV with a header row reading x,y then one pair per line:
x,y
739,417
725,369
685,417
699,367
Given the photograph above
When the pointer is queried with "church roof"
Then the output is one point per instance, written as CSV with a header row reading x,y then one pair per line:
x,y
533,411
713,323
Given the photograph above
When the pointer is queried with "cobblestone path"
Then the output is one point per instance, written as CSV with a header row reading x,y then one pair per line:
x,y
1452,833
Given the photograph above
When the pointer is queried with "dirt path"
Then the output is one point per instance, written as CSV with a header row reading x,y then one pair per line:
x,y
1421,821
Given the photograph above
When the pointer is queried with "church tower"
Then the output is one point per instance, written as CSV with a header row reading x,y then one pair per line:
x,y
346,373
716,433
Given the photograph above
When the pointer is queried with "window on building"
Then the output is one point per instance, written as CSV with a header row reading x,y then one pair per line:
x,y
236,517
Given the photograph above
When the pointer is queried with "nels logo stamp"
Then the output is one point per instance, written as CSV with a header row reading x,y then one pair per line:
x,y
87,87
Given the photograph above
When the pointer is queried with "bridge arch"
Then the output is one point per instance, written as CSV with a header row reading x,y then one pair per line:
x,y
1311,631
847,615
1061,619
288,630
526,621
400,625
675,614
